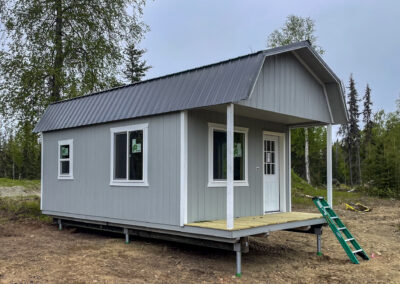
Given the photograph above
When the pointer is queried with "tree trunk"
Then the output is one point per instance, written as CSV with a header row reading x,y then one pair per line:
x,y
306,156
359,165
59,57
350,167
336,161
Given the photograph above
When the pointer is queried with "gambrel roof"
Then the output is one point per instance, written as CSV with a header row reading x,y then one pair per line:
x,y
229,81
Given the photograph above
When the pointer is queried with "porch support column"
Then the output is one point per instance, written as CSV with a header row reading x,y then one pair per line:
x,y
329,164
289,170
229,165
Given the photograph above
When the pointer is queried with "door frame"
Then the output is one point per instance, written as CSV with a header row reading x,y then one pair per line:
x,y
282,169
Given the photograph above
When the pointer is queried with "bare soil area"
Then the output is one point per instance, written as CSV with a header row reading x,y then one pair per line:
x,y
17,190
35,252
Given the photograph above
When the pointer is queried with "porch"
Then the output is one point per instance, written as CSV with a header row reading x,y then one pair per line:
x,y
286,219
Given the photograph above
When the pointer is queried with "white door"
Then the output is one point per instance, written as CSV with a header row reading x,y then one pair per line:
x,y
271,173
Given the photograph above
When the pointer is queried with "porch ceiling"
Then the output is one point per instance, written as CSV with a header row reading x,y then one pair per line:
x,y
280,118
242,223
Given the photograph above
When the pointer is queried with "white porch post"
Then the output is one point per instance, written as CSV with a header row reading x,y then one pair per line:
x,y
229,165
289,170
184,168
329,164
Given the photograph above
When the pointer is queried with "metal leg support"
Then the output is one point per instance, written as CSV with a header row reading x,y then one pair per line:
x,y
126,232
59,224
237,248
319,250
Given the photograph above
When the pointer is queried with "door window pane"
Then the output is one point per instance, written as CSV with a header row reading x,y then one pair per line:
x,y
120,156
219,155
136,155
269,157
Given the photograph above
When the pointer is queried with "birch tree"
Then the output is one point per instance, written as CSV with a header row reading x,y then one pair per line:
x,y
294,30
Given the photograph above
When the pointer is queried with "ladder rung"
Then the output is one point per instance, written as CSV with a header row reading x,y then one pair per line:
x,y
327,207
334,217
342,228
348,240
356,251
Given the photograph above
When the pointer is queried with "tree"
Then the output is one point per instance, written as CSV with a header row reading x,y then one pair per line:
x,y
135,69
367,114
294,30
59,49
307,156
351,134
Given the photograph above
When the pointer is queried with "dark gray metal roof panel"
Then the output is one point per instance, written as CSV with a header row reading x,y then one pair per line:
x,y
219,83
229,81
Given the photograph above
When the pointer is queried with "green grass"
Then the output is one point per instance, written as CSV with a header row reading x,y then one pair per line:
x,y
22,207
30,184
300,188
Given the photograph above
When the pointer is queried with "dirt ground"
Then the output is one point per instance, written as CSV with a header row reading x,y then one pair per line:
x,y
33,252
18,191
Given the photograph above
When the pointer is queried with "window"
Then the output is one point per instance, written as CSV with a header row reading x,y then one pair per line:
x,y
218,160
129,155
269,157
65,155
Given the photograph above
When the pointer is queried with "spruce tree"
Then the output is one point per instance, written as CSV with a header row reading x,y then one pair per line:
x,y
351,134
135,69
367,114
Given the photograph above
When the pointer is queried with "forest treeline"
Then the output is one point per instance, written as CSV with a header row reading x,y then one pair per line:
x,y
61,49
369,160
366,153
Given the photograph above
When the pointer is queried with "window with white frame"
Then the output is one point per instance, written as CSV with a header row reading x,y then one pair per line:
x,y
129,155
65,159
217,159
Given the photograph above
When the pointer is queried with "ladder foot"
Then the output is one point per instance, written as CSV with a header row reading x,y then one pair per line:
x,y
319,253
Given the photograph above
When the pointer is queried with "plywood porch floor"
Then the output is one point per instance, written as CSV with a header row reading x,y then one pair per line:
x,y
241,223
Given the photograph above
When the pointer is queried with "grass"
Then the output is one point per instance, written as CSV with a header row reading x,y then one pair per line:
x,y
22,207
300,188
29,184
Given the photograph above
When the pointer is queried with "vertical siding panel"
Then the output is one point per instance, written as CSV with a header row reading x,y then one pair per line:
x,y
210,203
90,193
286,86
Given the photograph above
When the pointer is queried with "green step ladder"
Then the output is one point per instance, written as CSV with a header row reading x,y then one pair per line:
x,y
338,228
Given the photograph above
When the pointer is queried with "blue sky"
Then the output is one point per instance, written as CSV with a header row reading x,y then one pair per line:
x,y
359,37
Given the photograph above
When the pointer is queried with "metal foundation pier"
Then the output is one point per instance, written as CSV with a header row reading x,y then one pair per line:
x,y
237,245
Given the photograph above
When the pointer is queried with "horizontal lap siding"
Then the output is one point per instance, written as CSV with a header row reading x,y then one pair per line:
x,y
206,203
90,193
286,86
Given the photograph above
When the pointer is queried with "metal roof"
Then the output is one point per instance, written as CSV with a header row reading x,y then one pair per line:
x,y
224,82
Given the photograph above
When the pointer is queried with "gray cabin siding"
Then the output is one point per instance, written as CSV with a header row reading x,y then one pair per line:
x,y
90,194
209,203
285,86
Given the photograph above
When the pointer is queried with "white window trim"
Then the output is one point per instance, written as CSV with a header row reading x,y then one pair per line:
x,y
222,183
69,142
144,181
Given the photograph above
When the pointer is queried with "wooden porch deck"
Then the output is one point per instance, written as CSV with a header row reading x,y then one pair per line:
x,y
242,223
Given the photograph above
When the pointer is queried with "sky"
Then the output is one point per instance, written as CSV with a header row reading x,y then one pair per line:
x,y
359,37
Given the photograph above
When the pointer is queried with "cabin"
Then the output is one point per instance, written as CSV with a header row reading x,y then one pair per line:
x,y
200,156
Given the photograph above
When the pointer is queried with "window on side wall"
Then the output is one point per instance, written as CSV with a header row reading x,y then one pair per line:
x,y
217,165
65,159
129,155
